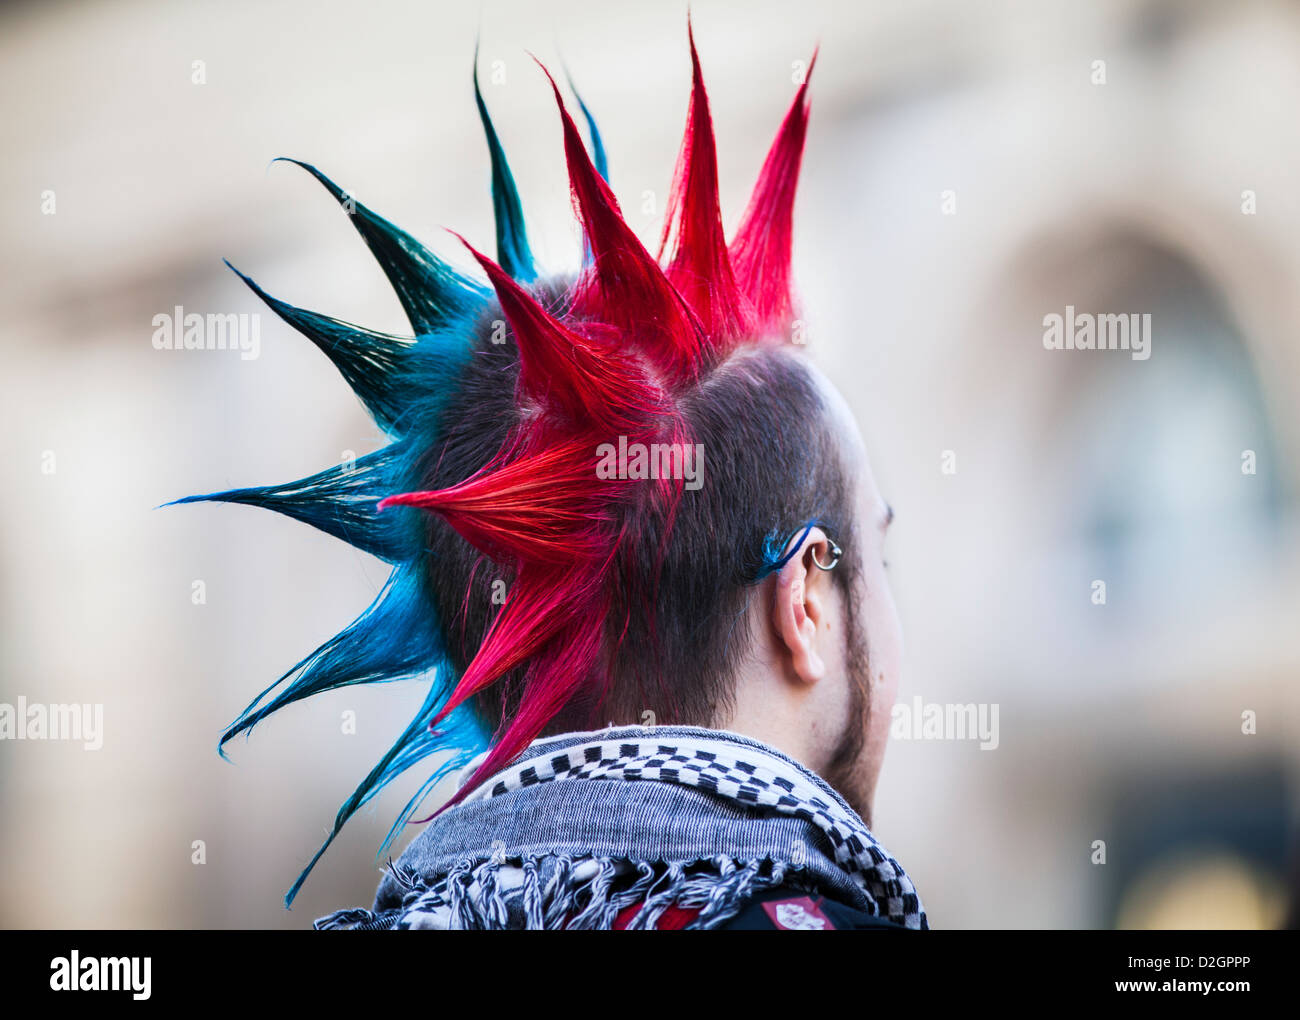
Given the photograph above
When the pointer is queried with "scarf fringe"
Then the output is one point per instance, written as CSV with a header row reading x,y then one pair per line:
x,y
580,893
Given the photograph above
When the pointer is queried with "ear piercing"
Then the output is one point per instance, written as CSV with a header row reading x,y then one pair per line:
x,y
836,553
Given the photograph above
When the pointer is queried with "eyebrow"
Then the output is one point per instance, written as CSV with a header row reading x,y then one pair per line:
x,y
889,516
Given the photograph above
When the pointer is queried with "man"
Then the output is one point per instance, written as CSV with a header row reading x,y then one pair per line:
x,y
637,555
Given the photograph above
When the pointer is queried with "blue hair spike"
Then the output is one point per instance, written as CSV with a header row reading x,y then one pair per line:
x,y
597,152
394,638
394,377
513,252
339,501
598,157
371,362
431,291
460,731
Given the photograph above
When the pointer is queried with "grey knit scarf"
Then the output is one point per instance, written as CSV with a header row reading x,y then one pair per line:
x,y
583,825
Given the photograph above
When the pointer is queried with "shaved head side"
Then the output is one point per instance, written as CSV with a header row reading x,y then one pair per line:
x,y
773,463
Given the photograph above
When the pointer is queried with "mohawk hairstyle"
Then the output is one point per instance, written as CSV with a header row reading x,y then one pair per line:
x,y
490,472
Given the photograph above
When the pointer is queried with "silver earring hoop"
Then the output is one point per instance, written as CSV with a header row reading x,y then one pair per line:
x,y
836,553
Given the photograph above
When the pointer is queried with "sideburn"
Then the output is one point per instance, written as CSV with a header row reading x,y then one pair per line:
x,y
844,770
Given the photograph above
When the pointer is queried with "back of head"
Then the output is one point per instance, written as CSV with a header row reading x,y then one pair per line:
x,y
757,465
587,475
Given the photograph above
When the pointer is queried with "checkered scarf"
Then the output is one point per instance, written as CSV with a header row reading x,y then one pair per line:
x,y
478,893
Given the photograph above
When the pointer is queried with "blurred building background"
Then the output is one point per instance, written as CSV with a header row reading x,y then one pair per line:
x,y
971,168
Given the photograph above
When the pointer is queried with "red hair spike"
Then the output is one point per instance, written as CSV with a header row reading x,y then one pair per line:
x,y
625,286
761,247
585,379
542,507
700,267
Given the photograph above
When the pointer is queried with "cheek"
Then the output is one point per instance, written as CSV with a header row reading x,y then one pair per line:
x,y
884,635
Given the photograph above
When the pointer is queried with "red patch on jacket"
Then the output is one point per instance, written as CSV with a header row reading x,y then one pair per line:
x,y
798,914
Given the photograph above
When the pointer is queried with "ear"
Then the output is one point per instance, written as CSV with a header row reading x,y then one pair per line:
x,y
800,606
